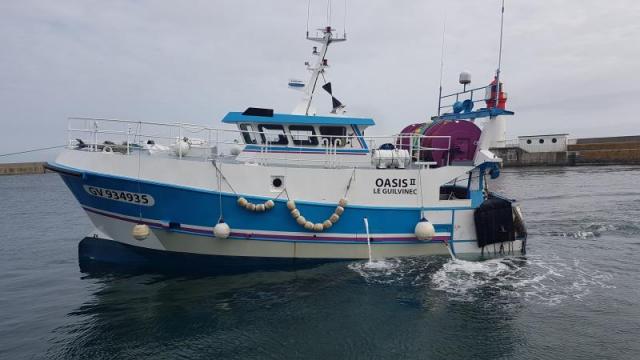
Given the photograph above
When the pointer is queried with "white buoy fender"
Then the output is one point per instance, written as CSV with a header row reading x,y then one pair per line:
x,y
339,210
425,230
221,230
318,227
251,207
269,204
342,202
334,218
308,225
140,231
242,202
182,148
235,150
295,213
291,205
301,220
327,224
260,208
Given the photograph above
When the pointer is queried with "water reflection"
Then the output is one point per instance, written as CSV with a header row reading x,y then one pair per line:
x,y
329,311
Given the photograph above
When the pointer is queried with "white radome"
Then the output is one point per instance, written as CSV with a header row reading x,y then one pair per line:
x,y
465,78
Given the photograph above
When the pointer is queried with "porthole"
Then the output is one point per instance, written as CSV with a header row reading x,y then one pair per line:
x,y
529,141
277,183
541,141
554,140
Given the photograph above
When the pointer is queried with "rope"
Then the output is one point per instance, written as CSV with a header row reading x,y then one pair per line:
x,y
33,150
219,181
223,177
421,197
138,179
280,193
353,175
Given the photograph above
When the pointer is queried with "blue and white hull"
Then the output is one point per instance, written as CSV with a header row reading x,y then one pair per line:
x,y
182,206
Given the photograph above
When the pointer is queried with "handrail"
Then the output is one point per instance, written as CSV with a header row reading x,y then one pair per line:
x,y
213,141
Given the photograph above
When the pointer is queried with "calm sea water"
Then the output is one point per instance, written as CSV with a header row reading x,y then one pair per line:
x,y
576,295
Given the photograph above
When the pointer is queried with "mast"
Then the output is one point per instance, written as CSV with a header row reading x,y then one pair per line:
x,y
318,69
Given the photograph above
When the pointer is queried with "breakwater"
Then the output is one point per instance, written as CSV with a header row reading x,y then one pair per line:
x,y
22,168
621,150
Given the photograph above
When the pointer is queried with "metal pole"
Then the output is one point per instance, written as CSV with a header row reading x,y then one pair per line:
x,y
444,29
499,56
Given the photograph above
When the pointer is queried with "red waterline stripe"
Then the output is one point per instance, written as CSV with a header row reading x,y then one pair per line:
x,y
251,235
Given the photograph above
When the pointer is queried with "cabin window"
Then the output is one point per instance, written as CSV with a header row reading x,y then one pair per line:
x,y
247,134
273,134
303,135
334,135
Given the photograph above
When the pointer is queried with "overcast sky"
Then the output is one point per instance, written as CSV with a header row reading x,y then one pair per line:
x,y
568,66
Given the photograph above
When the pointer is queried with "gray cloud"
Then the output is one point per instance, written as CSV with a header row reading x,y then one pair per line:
x,y
568,66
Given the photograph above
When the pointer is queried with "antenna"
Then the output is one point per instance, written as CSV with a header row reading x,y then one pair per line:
x,y
499,55
308,15
444,30
344,23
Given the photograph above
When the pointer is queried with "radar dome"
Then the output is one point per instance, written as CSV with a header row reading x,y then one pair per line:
x,y
465,78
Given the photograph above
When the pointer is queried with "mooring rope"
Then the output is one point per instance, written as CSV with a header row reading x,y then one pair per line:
x,y
224,177
33,150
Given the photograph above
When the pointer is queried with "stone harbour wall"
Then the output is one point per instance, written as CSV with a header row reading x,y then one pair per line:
x,y
22,168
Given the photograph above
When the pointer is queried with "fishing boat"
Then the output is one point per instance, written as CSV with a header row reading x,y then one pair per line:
x,y
293,189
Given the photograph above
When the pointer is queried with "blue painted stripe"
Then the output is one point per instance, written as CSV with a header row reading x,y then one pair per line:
x,y
260,198
363,143
200,208
358,240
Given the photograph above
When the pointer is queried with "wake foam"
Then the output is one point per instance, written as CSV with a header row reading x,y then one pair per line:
x,y
534,279
547,281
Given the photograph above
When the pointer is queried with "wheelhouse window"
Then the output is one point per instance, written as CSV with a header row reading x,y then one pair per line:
x,y
303,135
247,134
273,134
334,135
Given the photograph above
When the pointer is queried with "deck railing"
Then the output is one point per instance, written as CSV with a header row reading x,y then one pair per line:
x,y
135,137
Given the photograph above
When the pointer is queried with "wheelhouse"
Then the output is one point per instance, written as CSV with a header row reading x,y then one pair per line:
x,y
262,128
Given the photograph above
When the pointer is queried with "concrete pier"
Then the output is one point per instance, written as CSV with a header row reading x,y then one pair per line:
x,y
22,168
606,151
619,150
